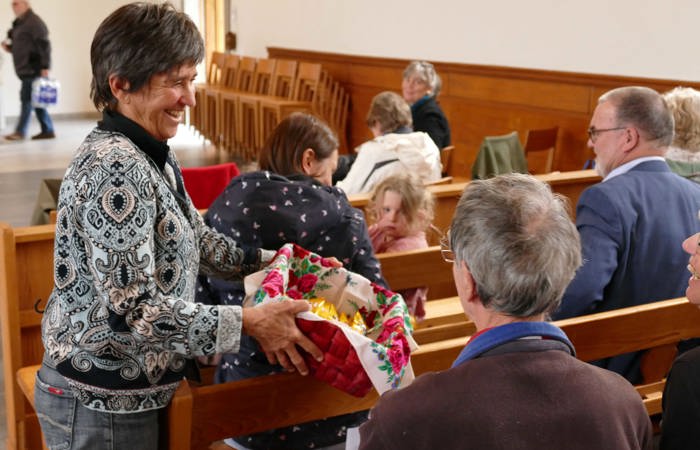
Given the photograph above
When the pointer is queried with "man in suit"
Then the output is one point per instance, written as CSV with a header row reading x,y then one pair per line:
x,y
631,224
516,384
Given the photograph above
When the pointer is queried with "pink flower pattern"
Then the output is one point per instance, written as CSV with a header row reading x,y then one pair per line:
x,y
299,274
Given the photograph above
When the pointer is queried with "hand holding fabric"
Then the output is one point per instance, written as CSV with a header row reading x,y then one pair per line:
x,y
273,326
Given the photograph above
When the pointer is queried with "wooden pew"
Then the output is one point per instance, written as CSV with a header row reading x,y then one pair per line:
x,y
416,268
569,184
425,267
601,335
202,414
280,400
26,271
26,279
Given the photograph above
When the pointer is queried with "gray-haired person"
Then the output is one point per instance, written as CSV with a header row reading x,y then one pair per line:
x,y
517,383
420,87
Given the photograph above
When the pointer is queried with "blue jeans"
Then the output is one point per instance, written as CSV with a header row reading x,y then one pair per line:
x,y
25,96
67,424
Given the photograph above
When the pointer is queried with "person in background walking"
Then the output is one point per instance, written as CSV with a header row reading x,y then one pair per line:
x,y
28,41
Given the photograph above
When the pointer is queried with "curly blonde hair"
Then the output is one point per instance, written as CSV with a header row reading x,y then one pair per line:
x,y
417,202
684,104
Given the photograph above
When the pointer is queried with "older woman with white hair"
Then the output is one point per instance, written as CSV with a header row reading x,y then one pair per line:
x,y
683,156
420,87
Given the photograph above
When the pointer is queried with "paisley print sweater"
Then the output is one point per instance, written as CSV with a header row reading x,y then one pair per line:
x,y
121,322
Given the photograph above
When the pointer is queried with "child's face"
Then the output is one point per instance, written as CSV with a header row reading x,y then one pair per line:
x,y
391,215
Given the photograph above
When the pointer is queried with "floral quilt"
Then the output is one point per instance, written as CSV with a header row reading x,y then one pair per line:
x,y
352,362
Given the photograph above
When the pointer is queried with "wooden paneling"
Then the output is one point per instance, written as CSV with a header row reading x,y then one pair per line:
x,y
484,101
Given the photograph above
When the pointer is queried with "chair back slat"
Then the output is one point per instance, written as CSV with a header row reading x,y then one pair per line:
x,y
283,78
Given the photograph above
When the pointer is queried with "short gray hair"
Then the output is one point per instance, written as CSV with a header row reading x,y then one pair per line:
x,y
519,243
424,71
645,109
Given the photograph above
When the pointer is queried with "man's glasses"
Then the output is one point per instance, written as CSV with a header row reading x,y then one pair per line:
x,y
593,132
445,250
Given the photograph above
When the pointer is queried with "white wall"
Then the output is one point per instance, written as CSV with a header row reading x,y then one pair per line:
x,y
625,37
71,24
645,38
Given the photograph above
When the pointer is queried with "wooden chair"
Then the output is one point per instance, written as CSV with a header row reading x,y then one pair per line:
x,y
249,115
212,114
214,74
227,102
540,149
303,98
446,159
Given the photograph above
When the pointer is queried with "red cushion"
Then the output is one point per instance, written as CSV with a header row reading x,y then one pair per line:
x,y
204,184
341,368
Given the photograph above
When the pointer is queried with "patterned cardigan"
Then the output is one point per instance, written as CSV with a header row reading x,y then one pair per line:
x,y
121,322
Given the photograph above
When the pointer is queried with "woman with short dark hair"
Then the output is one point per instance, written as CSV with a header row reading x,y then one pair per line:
x,y
121,326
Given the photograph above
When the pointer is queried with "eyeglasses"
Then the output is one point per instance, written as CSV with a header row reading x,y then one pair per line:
x,y
447,254
593,132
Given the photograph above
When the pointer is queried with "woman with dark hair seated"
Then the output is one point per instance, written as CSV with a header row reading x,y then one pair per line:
x,y
289,200
420,87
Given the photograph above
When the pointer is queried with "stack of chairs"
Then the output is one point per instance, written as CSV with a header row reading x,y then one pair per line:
x,y
214,78
245,98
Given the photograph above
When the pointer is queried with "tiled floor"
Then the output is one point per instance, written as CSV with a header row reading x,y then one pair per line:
x,y
24,164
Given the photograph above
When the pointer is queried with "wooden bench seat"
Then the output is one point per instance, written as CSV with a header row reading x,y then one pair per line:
x,y
416,268
203,414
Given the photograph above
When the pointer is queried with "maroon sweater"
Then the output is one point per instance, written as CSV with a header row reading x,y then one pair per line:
x,y
515,399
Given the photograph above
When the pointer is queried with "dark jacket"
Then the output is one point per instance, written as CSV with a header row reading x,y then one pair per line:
x,y
524,394
681,403
31,49
632,227
266,209
428,117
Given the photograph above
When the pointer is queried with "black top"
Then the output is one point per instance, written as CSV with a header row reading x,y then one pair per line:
x,y
31,50
428,117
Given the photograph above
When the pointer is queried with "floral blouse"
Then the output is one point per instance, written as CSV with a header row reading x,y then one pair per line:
x,y
121,322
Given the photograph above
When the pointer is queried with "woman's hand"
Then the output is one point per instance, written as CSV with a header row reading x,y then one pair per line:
x,y
273,326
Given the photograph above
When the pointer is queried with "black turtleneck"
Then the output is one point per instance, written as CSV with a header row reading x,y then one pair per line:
x,y
155,149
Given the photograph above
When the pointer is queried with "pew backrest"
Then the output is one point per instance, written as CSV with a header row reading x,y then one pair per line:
x,y
26,280
417,268
651,326
569,184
